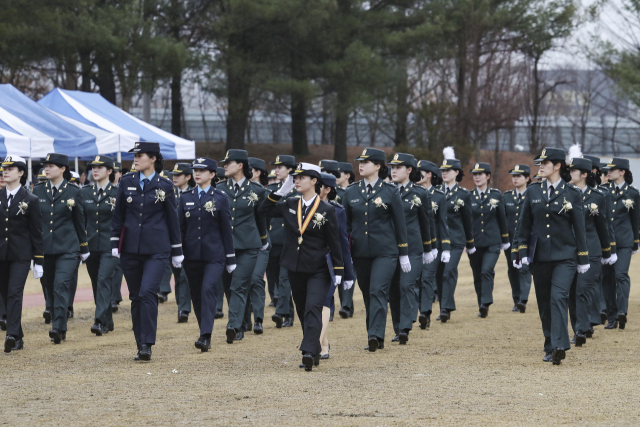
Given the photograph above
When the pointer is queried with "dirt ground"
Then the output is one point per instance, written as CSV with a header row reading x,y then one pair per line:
x,y
467,371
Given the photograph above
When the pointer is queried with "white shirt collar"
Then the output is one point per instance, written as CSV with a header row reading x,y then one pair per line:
x,y
98,188
519,193
56,186
240,183
373,184
13,192
555,184
310,202
450,188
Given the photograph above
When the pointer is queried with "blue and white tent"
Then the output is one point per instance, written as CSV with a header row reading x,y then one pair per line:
x,y
12,142
91,109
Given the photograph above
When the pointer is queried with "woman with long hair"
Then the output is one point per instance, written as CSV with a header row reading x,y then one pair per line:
x,y
145,235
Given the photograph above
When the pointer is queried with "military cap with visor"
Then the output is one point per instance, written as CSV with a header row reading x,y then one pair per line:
x,y
329,166
618,163
285,160
481,168
328,180
451,164
580,164
520,170
182,169
203,163
595,161
17,161
102,161
345,167
403,159
145,147
258,164
307,169
236,156
56,159
372,154
554,154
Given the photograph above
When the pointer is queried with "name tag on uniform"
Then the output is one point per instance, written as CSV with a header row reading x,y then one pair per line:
x,y
131,188
292,211
536,201
88,201
42,200
555,203
474,204
510,204
190,204
354,201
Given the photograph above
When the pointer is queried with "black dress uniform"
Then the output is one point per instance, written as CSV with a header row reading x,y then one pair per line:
x,y
20,242
375,219
116,294
551,231
490,233
460,222
249,237
625,209
205,225
304,256
583,288
145,229
99,204
64,237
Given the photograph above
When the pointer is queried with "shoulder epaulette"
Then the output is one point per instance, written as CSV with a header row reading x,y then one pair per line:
x,y
463,189
256,184
599,191
436,189
74,185
166,179
336,204
573,187
216,191
40,183
495,190
352,184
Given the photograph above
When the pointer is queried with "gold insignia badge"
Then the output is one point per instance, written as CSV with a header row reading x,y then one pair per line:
x,y
396,157
277,159
477,166
8,159
419,162
97,159
444,162
200,160
137,145
48,155
544,152
364,153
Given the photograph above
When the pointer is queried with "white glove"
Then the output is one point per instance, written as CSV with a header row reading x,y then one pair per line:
x,y
338,280
517,265
427,257
471,251
435,253
115,253
604,261
37,271
526,261
405,264
348,284
84,257
612,259
286,187
264,248
177,261
230,268
583,268
505,246
446,256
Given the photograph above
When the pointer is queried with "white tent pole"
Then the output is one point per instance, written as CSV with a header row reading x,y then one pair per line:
x,y
30,171
119,157
76,164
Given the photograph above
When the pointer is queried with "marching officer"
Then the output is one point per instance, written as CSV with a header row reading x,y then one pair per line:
x,y
375,219
20,242
220,295
403,298
552,239
430,180
249,235
346,178
205,223
460,222
145,234
490,234
520,279
626,221
116,294
311,234
64,237
99,202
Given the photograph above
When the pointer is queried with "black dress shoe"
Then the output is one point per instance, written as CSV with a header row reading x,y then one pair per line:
x,y
231,335
326,356
19,345
277,319
64,335
484,311
145,352
350,312
162,298
46,315
612,325
522,306
183,317
288,322
622,320
239,336
395,339
424,320
580,339
344,312
331,317
589,333
55,335
9,343
603,317
316,360
204,344
97,329
248,327
373,344
114,306
557,355
219,314
403,338
573,340
69,313
548,357
307,361
3,324
444,315
271,304
439,318
257,328
515,308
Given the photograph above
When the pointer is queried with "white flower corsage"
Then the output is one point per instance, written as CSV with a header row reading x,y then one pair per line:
x,y
112,202
593,209
160,195
378,203
71,203
210,207
415,202
566,206
253,198
22,208
458,205
434,206
319,220
493,203
628,203
337,199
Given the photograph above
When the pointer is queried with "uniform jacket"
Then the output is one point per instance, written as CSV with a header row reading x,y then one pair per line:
x,y
340,192
459,217
249,226
489,218
63,222
21,234
512,206
98,213
594,205
276,225
344,240
206,231
559,234
440,228
376,222
416,204
318,239
625,211
150,224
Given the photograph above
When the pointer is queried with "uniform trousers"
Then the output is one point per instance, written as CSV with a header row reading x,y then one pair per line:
x,y
183,296
581,297
256,294
309,292
597,302
273,271
219,298
374,280
165,284
205,278
58,271
143,273
116,288
13,276
101,267
552,281
520,280
346,297
73,287
403,295
285,304
483,263
616,285
447,279
237,284
427,285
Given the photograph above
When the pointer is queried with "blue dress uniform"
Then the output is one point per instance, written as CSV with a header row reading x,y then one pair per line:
x,y
460,222
249,237
551,231
146,220
165,284
205,225
490,232
584,287
64,239
375,218
625,209
99,204
20,242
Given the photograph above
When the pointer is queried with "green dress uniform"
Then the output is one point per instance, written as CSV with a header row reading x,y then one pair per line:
x,y
625,209
551,233
275,228
375,220
116,287
249,237
346,295
101,265
64,237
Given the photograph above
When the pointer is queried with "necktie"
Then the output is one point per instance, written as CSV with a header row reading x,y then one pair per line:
x,y
401,189
369,189
237,188
447,192
144,182
201,193
54,191
100,193
10,198
306,210
617,190
550,190
481,194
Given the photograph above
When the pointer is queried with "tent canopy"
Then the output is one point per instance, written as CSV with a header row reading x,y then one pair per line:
x,y
91,109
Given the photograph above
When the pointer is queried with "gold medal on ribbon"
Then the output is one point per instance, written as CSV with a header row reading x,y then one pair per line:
x,y
302,227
